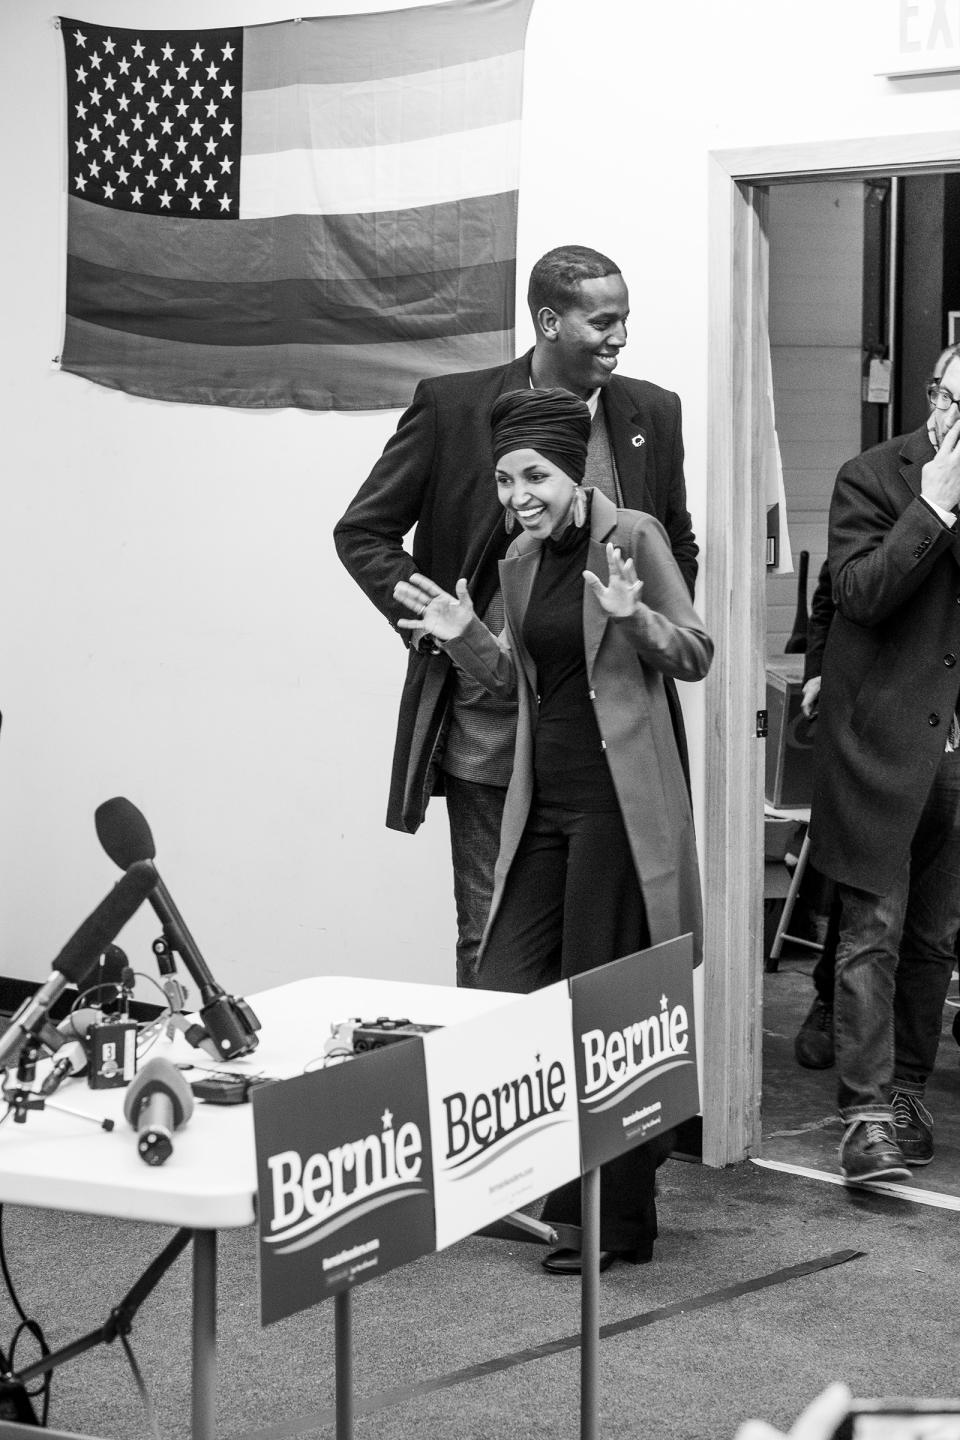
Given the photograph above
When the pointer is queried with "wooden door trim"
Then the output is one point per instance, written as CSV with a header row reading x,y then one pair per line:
x,y
735,601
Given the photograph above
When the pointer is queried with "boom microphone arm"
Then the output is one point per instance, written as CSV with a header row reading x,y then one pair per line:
x,y
125,836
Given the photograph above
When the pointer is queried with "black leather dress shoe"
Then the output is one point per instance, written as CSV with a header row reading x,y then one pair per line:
x,y
568,1262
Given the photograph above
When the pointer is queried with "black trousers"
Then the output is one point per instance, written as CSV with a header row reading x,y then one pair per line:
x,y
823,977
572,902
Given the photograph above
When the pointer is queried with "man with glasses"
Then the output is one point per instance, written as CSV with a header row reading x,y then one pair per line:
x,y
887,778
813,1043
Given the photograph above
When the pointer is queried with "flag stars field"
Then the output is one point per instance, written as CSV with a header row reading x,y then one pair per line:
x,y
170,95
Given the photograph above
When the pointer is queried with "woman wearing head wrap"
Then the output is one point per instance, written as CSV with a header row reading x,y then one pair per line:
x,y
597,854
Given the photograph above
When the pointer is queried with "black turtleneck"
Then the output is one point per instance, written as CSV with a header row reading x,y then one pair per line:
x,y
570,767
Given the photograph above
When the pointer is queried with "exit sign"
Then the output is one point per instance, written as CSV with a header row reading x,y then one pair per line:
x,y
921,37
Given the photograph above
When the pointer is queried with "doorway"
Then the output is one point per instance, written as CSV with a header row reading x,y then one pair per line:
x,y
735,600
862,282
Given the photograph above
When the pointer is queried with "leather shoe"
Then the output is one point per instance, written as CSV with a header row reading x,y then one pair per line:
x,y
912,1127
868,1151
568,1262
813,1045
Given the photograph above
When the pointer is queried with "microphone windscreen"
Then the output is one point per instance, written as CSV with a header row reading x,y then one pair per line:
x,y
82,951
159,1075
111,966
76,1029
123,832
79,1023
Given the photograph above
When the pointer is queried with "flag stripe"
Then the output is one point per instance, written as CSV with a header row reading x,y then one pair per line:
x,y
295,312
338,378
345,48
392,177
468,232
384,112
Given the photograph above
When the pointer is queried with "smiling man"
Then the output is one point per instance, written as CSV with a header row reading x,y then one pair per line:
x,y
437,474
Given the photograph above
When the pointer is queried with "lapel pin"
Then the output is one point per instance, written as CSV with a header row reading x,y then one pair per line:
x,y
637,441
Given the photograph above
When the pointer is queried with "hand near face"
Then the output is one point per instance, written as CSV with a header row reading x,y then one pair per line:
x,y
940,477
440,614
621,596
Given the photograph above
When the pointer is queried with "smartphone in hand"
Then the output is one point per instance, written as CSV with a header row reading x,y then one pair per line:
x,y
900,1419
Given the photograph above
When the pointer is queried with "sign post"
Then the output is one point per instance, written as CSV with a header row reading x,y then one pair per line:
x,y
343,1362
590,1304
633,1034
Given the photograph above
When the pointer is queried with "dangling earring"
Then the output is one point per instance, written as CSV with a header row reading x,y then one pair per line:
x,y
509,521
579,508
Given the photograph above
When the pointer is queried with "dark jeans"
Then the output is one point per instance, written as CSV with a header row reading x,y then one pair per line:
x,y
894,961
474,813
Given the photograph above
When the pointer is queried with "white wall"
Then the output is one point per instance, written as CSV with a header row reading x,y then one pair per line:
x,y
175,625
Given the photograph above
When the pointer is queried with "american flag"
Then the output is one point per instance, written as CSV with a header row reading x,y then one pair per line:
x,y
317,212
155,120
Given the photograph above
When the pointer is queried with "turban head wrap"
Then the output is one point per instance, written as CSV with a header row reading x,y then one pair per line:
x,y
553,422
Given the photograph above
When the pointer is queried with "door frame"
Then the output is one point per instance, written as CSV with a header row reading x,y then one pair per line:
x,y
735,599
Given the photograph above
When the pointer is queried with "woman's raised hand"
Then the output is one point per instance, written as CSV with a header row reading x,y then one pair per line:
x,y
439,614
621,596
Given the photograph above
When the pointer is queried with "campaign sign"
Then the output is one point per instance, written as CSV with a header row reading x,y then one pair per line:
x,y
344,1176
503,1111
633,1030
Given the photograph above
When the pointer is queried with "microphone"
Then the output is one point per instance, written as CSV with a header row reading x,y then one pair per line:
x,y
73,1053
158,1102
78,957
114,974
125,835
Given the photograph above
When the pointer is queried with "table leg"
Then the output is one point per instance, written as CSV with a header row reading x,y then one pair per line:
x,y
204,1397
589,1303
343,1347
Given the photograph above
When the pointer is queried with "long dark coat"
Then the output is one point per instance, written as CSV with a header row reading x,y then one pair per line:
x,y
627,661
436,473
890,673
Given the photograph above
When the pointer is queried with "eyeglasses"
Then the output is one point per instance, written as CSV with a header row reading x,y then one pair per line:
x,y
939,398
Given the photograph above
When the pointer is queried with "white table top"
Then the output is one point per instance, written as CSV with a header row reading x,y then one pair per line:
x,y
60,1162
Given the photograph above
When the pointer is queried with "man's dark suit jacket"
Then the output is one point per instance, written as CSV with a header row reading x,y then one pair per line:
x,y
437,473
890,666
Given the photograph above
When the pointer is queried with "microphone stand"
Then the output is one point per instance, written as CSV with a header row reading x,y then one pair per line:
x,y
228,1022
121,1317
178,1019
21,1097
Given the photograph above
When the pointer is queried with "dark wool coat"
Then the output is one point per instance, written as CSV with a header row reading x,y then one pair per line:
x,y
890,673
436,473
627,661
